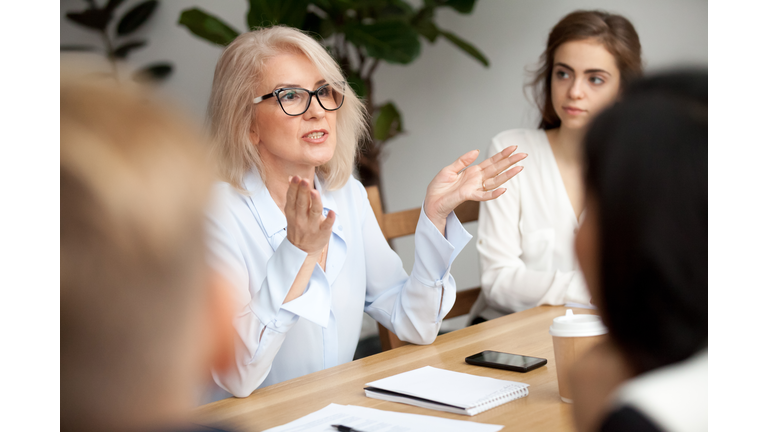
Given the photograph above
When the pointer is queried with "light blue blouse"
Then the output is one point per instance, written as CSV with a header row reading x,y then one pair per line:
x,y
321,328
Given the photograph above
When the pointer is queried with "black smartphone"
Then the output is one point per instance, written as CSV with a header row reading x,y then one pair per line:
x,y
500,360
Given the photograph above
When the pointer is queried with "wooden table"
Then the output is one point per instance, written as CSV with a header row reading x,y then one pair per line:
x,y
520,333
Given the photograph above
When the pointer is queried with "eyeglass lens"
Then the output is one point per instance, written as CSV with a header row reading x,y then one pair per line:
x,y
295,101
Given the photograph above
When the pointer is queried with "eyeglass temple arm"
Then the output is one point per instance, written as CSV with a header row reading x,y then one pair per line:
x,y
261,98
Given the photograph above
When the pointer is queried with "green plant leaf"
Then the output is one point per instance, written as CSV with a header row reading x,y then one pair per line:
x,y
424,24
207,26
388,122
395,9
319,28
461,6
271,12
466,47
113,4
391,41
323,4
122,51
357,84
134,18
96,19
153,73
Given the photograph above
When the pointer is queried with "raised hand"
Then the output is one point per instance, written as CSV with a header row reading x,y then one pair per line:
x,y
308,229
456,183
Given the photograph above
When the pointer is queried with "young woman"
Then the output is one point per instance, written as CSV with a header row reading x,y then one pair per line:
x,y
294,231
643,249
525,238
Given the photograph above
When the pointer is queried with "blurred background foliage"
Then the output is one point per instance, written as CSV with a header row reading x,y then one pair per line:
x,y
117,38
359,34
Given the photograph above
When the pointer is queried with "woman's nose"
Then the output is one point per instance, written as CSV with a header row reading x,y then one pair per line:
x,y
577,90
314,110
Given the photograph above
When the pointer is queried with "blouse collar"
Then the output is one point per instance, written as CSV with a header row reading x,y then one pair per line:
x,y
272,218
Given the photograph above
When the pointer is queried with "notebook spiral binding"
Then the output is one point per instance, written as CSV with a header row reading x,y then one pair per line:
x,y
502,396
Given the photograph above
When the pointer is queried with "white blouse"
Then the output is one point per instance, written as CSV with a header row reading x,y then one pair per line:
x,y
320,329
525,237
674,397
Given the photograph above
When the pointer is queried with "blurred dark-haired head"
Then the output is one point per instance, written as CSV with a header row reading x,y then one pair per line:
x,y
643,244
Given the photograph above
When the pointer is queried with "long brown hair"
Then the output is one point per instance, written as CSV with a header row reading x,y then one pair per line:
x,y
615,32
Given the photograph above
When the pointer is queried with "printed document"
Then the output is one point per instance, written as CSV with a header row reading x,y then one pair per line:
x,y
373,420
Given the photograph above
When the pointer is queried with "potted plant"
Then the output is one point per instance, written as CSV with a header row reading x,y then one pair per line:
x,y
116,39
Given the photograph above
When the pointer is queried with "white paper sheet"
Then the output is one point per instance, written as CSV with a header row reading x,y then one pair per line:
x,y
449,387
373,420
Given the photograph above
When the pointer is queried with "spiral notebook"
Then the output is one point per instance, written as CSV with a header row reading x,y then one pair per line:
x,y
445,390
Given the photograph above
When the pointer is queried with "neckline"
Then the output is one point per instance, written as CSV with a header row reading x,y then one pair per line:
x,y
562,190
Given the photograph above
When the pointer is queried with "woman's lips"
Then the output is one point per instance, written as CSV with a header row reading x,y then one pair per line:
x,y
573,111
316,136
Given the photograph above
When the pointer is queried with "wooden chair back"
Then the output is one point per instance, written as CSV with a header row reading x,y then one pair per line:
x,y
403,223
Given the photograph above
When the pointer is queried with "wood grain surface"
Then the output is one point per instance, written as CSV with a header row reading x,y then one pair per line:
x,y
524,333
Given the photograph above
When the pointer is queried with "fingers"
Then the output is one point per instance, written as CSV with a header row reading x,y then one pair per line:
x,y
464,161
517,157
290,196
498,157
316,205
308,230
496,174
493,183
327,224
493,169
491,194
302,198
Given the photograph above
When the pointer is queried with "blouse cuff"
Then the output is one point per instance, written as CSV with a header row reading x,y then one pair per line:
x,y
282,270
315,304
434,252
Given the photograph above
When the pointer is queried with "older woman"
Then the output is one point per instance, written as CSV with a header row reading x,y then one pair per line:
x,y
294,231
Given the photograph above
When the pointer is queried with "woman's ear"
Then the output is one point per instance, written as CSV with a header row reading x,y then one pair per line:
x,y
253,132
254,135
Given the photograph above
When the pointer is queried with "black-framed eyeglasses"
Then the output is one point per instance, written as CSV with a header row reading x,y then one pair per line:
x,y
295,100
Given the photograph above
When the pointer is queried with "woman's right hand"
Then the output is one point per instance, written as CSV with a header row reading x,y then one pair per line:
x,y
308,229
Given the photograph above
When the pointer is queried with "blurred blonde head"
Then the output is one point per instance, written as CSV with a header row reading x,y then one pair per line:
x,y
230,109
134,185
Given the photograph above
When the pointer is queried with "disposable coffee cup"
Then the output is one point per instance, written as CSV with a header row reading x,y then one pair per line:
x,y
572,336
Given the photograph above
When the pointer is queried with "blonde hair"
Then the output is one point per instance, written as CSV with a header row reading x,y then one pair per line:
x,y
230,109
134,187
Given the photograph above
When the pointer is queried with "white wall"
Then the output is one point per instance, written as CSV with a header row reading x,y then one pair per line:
x,y
450,103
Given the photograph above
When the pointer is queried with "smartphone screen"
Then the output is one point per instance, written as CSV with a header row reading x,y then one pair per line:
x,y
507,361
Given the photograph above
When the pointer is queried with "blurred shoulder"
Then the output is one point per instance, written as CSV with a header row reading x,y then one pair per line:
x,y
527,141
223,192
673,396
227,202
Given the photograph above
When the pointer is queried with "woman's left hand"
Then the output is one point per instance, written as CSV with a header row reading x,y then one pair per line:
x,y
456,183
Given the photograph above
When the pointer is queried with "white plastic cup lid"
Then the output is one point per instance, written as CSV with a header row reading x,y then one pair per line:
x,y
577,325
